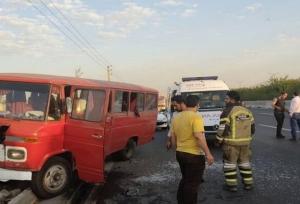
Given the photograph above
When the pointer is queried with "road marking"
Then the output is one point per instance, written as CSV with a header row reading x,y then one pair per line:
x,y
273,127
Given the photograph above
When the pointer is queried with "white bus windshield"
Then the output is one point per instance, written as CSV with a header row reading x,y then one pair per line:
x,y
20,100
209,99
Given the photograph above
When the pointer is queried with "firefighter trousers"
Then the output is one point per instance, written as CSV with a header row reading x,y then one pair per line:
x,y
233,157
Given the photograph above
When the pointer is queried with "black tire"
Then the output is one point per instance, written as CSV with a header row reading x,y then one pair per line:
x,y
53,179
128,151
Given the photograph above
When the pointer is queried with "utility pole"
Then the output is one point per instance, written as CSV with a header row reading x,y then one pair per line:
x,y
78,72
109,72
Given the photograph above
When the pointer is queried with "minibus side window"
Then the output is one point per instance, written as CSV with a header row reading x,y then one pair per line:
x,y
151,102
88,105
140,102
136,102
120,103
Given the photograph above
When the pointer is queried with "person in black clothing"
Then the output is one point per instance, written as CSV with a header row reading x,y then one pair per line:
x,y
279,109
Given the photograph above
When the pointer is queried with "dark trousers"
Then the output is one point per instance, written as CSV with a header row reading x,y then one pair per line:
x,y
279,116
295,120
192,168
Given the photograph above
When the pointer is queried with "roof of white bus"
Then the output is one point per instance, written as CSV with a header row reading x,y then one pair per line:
x,y
203,85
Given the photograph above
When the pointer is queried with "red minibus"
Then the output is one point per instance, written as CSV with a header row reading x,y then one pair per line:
x,y
52,127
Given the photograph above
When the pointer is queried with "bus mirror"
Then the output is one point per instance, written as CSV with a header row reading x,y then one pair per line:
x,y
69,104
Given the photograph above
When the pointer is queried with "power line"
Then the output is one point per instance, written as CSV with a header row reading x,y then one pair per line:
x,y
79,34
65,34
95,57
72,32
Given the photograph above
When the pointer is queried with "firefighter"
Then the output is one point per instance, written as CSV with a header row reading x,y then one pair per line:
x,y
235,135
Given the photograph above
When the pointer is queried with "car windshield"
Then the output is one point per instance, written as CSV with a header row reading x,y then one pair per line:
x,y
209,99
23,101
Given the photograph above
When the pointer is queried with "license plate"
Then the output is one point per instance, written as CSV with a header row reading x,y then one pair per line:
x,y
1,152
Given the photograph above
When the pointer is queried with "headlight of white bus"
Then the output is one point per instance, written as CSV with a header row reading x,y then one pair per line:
x,y
16,154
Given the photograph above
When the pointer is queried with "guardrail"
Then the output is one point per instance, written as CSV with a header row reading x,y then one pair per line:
x,y
263,104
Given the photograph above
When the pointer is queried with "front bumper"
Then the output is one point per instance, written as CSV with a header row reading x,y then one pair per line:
x,y
211,136
210,132
162,124
7,174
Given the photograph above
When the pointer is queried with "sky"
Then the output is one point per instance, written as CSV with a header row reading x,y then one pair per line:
x,y
152,42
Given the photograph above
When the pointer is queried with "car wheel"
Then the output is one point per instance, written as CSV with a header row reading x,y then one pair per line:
x,y
53,179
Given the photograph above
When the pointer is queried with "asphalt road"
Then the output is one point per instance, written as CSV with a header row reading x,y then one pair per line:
x,y
152,176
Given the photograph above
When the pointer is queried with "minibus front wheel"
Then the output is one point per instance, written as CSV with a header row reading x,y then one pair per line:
x,y
53,179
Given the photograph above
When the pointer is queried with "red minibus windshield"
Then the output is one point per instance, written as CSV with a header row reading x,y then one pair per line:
x,y
23,101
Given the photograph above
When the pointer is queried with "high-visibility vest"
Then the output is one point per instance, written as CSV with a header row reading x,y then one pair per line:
x,y
239,120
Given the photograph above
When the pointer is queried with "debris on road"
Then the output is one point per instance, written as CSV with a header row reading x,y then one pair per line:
x,y
25,197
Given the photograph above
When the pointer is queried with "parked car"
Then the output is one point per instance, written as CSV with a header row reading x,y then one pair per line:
x,y
163,120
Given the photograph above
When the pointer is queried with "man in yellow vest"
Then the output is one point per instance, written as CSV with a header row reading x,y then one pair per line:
x,y
235,134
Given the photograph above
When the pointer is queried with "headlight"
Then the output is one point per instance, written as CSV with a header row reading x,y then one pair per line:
x,y
17,154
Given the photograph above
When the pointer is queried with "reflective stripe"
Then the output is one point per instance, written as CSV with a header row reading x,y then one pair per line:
x,y
225,120
222,127
248,179
229,166
246,172
219,138
233,128
231,180
239,140
239,112
229,173
245,165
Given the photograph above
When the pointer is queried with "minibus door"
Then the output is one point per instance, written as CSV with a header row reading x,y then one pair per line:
x,y
84,134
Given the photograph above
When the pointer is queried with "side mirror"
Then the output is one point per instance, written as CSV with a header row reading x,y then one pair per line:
x,y
69,104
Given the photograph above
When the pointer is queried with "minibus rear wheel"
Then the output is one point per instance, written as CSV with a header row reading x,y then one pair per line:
x,y
53,179
128,151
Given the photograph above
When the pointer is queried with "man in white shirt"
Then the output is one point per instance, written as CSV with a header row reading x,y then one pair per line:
x,y
295,115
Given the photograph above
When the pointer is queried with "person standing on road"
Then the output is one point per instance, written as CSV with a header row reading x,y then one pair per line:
x,y
191,150
279,109
177,103
294,113
235,135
